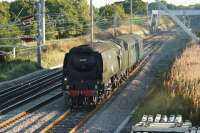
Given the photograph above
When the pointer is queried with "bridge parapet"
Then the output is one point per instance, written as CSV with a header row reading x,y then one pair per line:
x,y
163,124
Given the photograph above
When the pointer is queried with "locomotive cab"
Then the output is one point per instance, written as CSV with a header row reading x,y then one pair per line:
x,y
82,72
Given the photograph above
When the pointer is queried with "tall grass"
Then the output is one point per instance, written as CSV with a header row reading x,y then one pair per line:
x,y
176,90
184,77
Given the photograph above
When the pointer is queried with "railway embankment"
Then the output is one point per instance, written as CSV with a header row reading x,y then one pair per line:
x,y
176,88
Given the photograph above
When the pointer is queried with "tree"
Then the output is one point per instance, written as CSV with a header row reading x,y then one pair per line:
x,y
139,6
83,15
72,16
4,12
107,14
23,8
154,6
19,11
8,32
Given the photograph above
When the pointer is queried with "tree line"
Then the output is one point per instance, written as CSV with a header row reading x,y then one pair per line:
x,y
64,18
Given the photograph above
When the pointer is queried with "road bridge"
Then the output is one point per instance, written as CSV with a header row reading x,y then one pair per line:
x,y
177,12
186,16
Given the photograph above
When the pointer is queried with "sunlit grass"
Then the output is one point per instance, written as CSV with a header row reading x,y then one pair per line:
x,y
184,77
52,55
176,90
12,69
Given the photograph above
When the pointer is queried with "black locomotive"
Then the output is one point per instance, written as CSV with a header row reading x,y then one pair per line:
x,y
91,72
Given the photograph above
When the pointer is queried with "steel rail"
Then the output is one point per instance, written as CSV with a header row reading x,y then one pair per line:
x,y
32,97
67,114
17,94
28,83
11,100
28,111
133,74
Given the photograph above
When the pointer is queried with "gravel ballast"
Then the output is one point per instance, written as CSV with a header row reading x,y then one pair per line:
x,y
37,120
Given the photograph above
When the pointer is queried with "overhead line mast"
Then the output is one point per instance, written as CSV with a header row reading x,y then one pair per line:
x,y
92,22
41,29
131,18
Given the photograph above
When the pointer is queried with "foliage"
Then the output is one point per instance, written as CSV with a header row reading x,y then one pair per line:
x,y
198,34
19,11
4,13
12,69
8,32
139,7
72,16
108,13
9,35
23,8
177,91
154,6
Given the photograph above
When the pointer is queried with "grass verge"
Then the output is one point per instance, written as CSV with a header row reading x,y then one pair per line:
x,y
176,90
13,69
25,63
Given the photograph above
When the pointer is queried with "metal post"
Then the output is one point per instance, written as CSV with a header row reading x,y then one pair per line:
x,y
147,9
43,20
148,17
41,29
115,24
92,22
14,52
131,13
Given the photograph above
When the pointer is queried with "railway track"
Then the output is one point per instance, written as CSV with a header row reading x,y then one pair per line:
x,y
72,121
13,97
18,95
68,121
28,111
28,83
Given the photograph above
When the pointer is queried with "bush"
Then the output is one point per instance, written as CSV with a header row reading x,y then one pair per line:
x,y
14,69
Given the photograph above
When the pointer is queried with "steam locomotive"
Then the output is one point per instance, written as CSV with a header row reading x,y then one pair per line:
x,y
92,71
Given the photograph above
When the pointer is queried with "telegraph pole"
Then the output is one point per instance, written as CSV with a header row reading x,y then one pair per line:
x,y
147,9
92,22
41,29
158,17
115,24
43,20
131,13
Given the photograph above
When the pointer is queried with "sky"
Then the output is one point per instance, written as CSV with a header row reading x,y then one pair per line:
x,y
99,3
